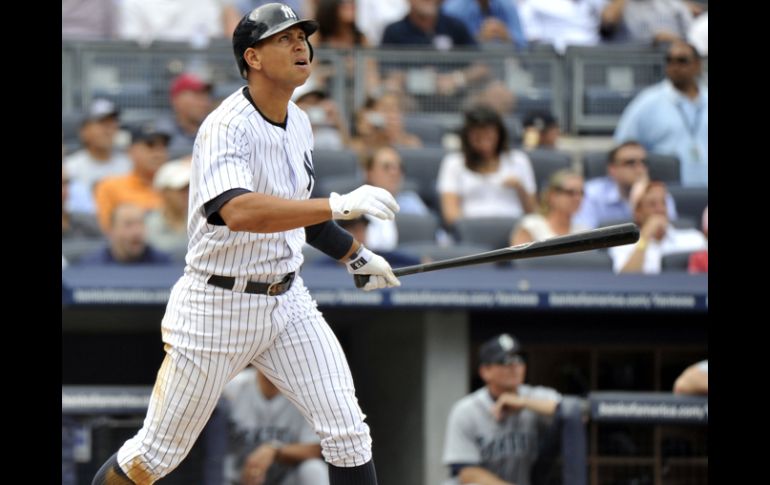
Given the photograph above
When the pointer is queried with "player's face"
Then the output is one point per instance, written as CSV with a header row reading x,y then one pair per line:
x,y
504,377
285,57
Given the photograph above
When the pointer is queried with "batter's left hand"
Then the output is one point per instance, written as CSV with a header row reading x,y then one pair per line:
x,y
379,271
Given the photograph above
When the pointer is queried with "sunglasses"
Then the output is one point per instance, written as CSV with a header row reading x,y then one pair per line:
x,y
683,60
630,162
570,192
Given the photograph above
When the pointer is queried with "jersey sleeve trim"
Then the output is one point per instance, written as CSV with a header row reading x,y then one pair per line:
x,y
211,208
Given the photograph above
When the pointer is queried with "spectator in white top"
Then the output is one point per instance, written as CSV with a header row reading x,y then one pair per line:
x,y
87,19
98,158
487,179
559,202
563,22
197,22
658,237
234,10
699,34
647,20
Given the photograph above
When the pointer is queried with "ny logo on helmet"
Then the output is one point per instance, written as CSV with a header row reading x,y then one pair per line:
x,y
288,12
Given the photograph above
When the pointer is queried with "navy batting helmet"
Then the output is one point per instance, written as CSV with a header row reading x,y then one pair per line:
x,y
263,22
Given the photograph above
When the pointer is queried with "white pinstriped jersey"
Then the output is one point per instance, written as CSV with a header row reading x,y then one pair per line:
x,y
237,147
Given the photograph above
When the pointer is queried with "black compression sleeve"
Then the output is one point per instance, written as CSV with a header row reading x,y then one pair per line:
x,y
329,238
211,208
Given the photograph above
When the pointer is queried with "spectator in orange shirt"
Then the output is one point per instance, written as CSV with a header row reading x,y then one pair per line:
x,y
148,151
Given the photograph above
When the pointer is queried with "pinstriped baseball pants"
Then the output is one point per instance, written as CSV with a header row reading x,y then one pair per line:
x,y
210,335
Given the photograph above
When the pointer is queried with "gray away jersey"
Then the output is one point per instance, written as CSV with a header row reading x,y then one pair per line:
x,y
255,420
236,148
507,448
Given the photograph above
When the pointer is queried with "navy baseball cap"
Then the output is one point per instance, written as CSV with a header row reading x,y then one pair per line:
x,y
503,349
539,120
148,132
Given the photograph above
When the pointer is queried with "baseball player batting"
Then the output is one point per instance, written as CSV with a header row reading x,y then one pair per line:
x,y
494,433
240,300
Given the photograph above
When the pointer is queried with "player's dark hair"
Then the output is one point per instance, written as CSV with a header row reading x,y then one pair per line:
x,y
476,117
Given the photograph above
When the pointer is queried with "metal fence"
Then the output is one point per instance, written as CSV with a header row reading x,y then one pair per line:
x,y
586,89
605,80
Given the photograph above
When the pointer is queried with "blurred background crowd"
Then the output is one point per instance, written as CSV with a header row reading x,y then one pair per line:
x,y
529,119
492,122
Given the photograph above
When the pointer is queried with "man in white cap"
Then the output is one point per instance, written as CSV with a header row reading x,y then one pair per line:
x,y
167,227
98,158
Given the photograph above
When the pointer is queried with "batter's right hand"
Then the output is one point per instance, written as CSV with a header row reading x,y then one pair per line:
x,y
374,201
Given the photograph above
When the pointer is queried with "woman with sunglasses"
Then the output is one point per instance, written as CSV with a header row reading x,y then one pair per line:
x,y
560,200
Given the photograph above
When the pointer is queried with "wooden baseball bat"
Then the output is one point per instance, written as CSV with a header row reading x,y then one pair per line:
x,y
603,237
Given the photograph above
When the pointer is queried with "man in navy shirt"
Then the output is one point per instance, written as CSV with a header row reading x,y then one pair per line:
x,y
127,240
425,24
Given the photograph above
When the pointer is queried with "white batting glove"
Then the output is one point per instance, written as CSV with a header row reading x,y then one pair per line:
x,y
365,262
374,201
